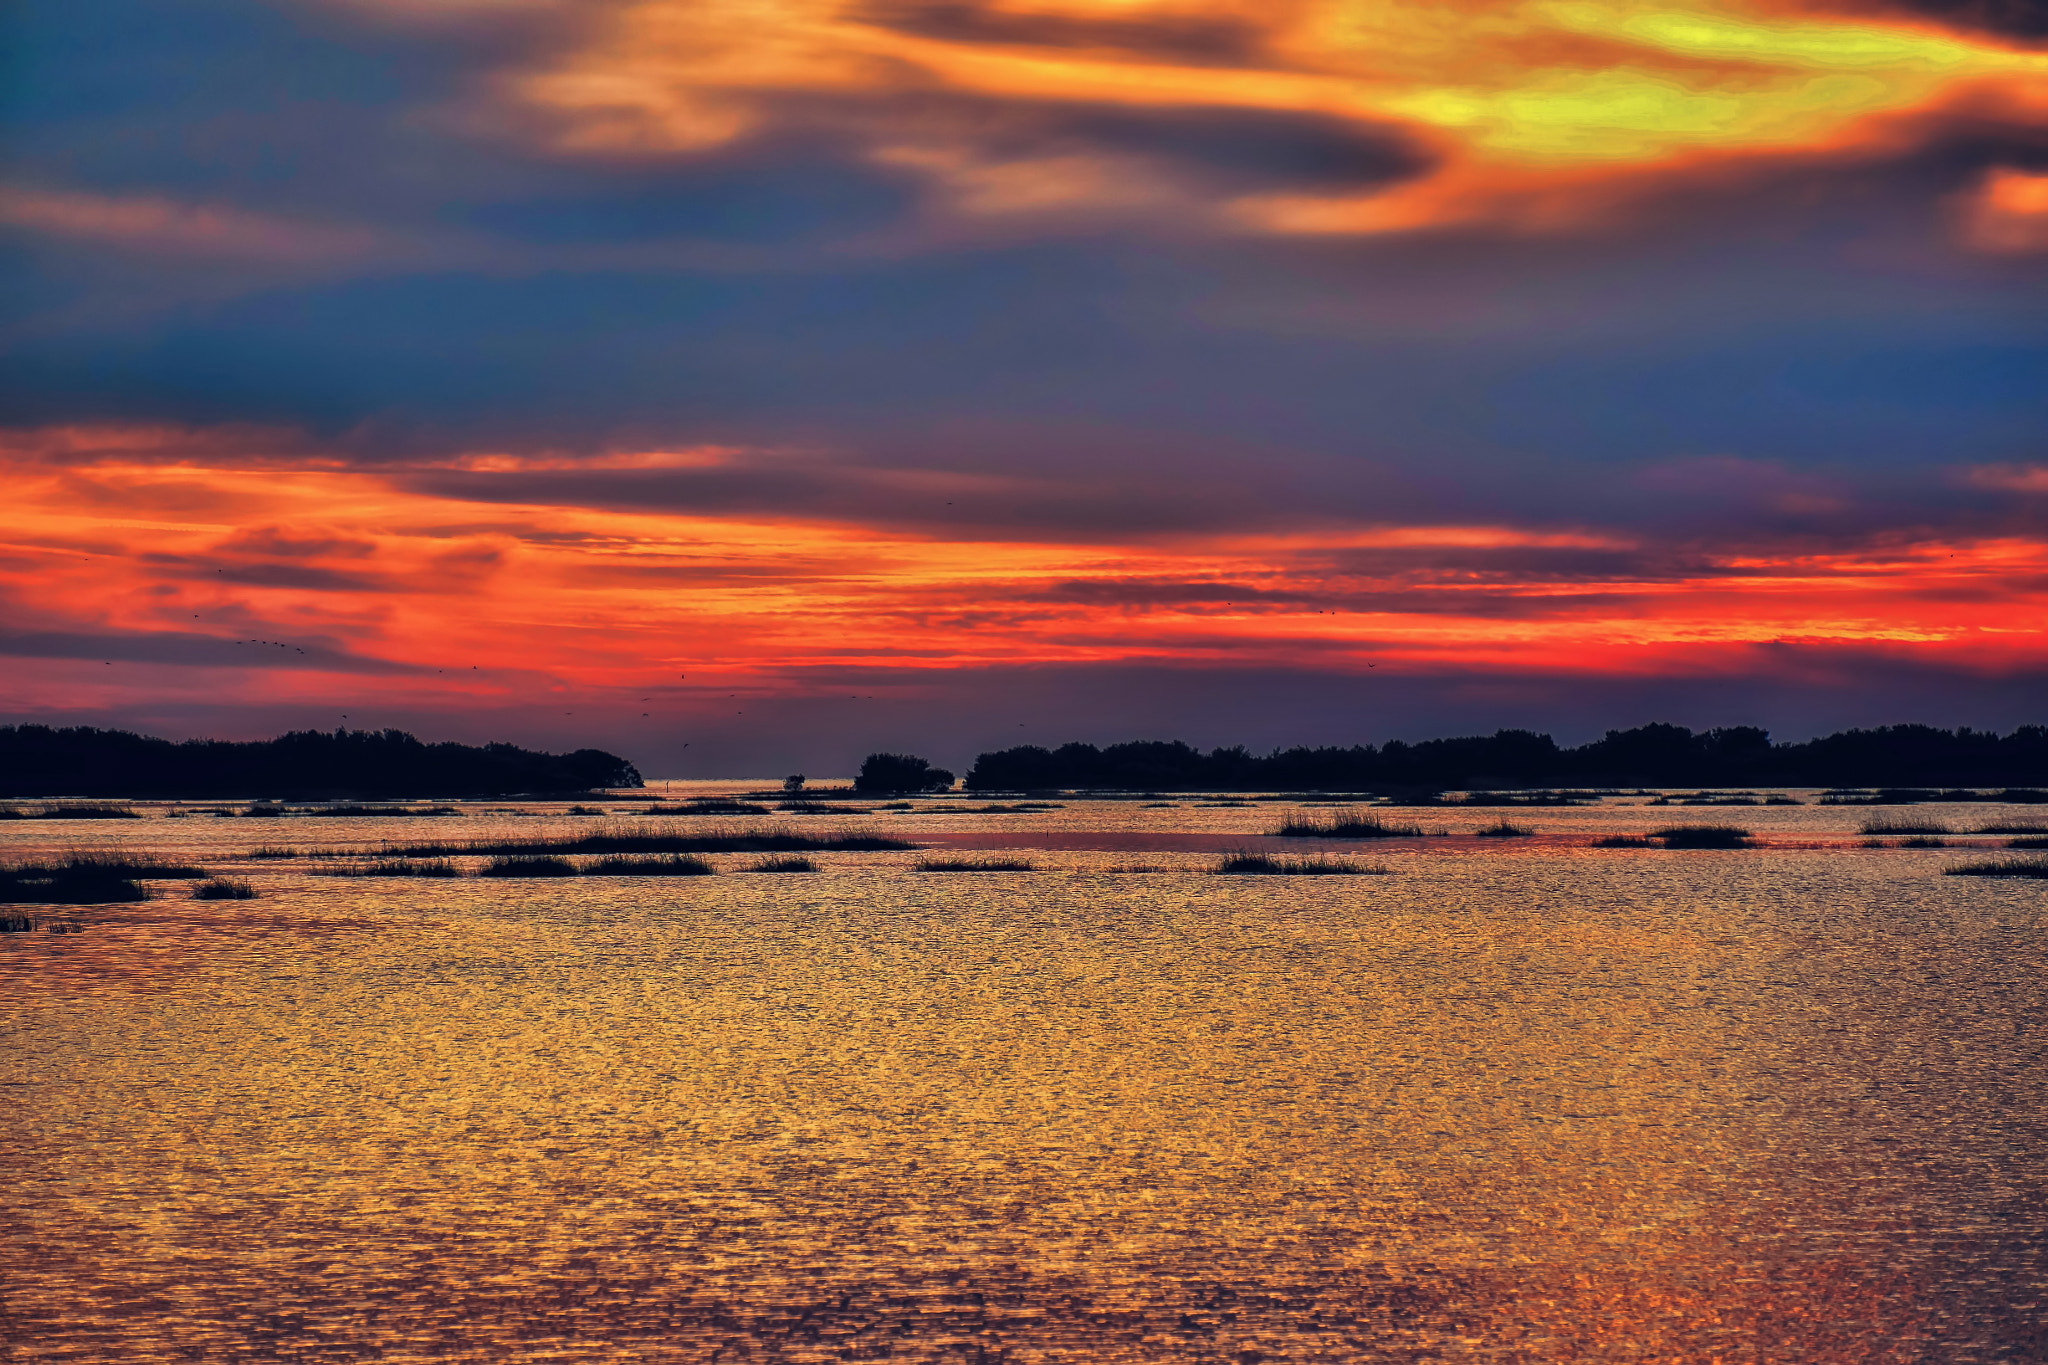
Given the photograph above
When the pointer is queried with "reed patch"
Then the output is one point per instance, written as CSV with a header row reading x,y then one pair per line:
x,y
1315,865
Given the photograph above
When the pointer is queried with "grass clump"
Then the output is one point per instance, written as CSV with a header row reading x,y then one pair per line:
x,y
396,867
75,883
71,810
974,865
2026,843
1501,829
358,812
1623,841
672,865
1702,836
1344,827
787,862
2012,827
265,852
1903,824
135,865
1923,841
223,889
28,924
527,866
1265,865
709,805
2036,868
815,808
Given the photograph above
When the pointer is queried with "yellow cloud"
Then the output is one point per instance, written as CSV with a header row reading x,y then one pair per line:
x,y
1514,97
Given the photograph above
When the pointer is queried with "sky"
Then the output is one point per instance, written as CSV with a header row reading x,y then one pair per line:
x,y
746,385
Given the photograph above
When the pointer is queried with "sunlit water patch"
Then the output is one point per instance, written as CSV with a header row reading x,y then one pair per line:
x,y
1518,1099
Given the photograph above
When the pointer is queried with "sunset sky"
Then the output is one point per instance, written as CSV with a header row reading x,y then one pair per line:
x,y
787,379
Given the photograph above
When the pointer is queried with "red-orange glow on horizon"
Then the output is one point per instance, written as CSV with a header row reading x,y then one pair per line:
x,y
428,595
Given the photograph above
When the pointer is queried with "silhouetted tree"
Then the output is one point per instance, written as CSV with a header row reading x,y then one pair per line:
x,y
897,773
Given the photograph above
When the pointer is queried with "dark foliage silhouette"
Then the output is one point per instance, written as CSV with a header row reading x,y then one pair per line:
x,y
1651,755
36,760
900,773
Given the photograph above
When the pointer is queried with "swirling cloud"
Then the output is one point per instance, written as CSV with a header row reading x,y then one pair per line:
x,y
1529,112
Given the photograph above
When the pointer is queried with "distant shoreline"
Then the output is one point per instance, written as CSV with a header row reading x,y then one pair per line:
x,y
38,762
1899,757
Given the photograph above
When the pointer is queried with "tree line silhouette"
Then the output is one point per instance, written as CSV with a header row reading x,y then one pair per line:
x,y
37,760
1655,755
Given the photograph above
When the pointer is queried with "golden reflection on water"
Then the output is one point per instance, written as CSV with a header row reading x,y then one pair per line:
x,y
1510,1103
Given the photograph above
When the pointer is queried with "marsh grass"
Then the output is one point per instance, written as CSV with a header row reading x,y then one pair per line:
x,y
28,924
1707,798
2026,843
1317,865
585,810
139,865
1702,836
1904,824
627,839
1501,829
223,889
527,866
77,881
2012,827
974,865
816,808
395,867
671,865
1347,826
1623,841
1923,841
786,862
70,810
2036,868
352,811
1527,798
709,805
272,851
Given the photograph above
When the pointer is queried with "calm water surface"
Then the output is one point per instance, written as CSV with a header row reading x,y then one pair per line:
x,y
1517,1100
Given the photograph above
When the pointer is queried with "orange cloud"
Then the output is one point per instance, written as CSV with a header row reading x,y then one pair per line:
x,y
2009,212
300,583
158,225
1532,111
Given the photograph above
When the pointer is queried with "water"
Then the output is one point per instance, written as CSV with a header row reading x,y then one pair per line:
x,y
1517,1100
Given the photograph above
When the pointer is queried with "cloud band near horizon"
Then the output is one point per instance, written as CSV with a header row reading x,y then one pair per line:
x,y
476,359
